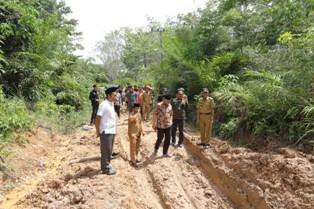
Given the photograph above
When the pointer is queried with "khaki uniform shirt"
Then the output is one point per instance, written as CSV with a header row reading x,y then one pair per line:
x,y
135,128
146,98
205,106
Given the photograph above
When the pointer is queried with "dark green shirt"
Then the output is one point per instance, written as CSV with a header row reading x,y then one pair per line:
x,y
179,108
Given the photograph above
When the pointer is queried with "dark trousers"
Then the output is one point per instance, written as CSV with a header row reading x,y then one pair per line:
x,y
106,147
177,123
94,113
117,110
161,134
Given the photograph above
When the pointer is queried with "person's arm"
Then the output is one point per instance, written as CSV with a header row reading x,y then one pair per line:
x,y
213,111
197,113
155,114
97,125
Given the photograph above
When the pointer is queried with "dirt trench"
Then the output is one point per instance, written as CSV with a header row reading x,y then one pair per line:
x,y
192,178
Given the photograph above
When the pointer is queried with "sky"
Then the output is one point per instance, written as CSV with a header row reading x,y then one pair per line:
x,y
98,17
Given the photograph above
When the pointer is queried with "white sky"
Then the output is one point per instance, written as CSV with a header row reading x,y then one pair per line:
x,y
97,17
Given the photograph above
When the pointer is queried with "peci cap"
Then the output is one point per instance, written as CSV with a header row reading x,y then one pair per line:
x,y
136,105
167,96
111,89
205,90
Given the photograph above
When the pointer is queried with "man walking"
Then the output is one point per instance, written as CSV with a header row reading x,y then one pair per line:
x,y
205,117
162,121
106,129
179,106
94,98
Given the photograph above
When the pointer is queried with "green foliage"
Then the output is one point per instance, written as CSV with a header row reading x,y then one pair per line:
x,y
14,115
257,58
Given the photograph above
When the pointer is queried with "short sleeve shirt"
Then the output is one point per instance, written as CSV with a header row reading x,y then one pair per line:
x,y
164,115
135,127
108,117
205,105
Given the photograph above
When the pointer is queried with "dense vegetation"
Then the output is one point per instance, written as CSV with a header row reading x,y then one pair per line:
x,y
41,80
256,56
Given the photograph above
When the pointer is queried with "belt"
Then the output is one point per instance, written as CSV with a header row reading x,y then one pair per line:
x,y
205,113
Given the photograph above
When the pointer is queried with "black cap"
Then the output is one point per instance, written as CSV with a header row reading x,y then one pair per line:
x,y
136,105
167,96
109,90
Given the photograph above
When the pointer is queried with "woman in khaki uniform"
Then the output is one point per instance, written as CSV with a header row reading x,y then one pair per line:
x,y
205,117
135,130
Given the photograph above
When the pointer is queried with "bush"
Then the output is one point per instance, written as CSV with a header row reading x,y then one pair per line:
x,y
14,115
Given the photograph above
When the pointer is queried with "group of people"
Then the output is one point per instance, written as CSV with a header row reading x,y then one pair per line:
x,y
169,115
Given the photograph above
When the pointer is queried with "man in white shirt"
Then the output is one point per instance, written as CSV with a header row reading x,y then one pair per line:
x,y
106,129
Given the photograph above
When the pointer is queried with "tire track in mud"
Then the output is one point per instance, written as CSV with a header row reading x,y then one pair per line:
x,y
179,180
187,180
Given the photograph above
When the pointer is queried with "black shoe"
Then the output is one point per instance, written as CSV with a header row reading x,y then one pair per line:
x,y
115,154
138,161
180,145
200,144
205,146
109,171
166,155
173,144
134,164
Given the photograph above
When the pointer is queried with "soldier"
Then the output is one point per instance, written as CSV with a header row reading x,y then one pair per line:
x,y
205,117
94,98
179,106
135,130
146,102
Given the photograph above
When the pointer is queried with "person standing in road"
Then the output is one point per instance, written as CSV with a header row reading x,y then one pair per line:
x,y
94,98
135,131
146,102
162,122
205,117
179,106
106,128
118,102
131,97
185,97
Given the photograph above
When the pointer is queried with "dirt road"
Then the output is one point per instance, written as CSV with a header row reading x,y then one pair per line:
x,y
191,179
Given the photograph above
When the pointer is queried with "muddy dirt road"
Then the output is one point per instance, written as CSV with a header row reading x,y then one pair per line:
x,y
191,178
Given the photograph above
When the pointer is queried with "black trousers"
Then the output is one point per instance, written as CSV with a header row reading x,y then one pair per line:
x,y
161,134
106,148
117,110
94,113
177,123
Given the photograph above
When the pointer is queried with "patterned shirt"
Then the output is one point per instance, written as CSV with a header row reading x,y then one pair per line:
x,y
164,115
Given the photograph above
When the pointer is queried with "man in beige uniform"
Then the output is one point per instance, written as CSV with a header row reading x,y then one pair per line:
x,y
146,102
205,117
